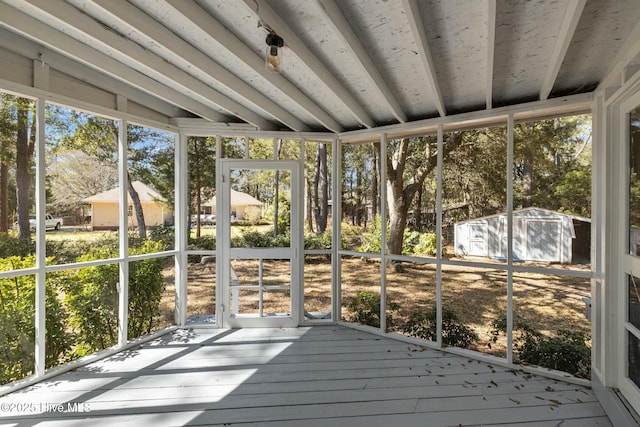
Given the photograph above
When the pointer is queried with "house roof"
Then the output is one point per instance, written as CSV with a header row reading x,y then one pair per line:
x,y
145,193
346,65
238,198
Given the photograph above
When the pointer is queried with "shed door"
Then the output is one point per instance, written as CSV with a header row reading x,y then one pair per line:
x,y
544,239
478,239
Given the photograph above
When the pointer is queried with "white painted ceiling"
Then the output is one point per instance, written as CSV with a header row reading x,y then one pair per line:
x,y
347,64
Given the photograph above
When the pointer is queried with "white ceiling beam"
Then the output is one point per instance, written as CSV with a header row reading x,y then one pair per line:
x,y
629,50
131,16
420,35
267,15
208,24
59,12
351,42
567,29
30,49
491,44
31,28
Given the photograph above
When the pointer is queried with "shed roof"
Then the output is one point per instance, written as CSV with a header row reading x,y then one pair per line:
x,y
347,65
524,211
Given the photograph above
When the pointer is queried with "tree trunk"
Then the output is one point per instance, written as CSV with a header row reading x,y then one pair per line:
x,y
198,206
321,189
4,197
527,183
309,207
399,196
137,206
398,209
358,212
417,215
23,175
375,191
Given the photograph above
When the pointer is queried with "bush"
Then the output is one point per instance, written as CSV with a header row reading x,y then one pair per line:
x,y
253,238
313,241
426,245
365,309
413,242
207,242
17,323
91,295
454,333
11,245
165,235
568,351
372,238
146,285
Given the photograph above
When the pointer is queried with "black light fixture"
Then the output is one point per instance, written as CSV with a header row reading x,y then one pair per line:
x,y
273,58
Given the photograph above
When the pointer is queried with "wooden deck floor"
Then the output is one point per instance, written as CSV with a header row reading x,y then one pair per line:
x,y
317,376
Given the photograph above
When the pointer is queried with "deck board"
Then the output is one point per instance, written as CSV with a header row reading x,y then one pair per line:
x,y
323,375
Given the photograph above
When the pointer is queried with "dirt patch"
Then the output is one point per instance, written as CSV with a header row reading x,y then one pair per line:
x,y
477,295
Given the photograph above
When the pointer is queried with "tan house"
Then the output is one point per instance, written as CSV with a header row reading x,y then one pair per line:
x,y
104,208
243,205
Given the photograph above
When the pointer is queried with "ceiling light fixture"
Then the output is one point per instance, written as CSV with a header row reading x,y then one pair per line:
x,y
273,59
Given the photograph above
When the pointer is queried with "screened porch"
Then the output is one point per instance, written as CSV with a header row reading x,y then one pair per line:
x,y
324,195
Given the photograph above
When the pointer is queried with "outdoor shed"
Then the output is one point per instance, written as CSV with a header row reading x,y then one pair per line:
x,y
104,208
539,235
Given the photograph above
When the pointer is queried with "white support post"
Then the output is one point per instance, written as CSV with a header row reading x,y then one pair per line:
x,y
509,172
598,234
123,288
382,185
41,203
181,228
221,304
300,261
336,212
439,161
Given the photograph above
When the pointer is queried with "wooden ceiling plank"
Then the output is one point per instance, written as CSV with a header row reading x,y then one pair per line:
x,y
30,49
131,16
267,15
207,23
61,12
35,30
351,42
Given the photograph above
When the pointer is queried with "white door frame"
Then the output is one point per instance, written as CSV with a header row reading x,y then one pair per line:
x,y
628,264
226,253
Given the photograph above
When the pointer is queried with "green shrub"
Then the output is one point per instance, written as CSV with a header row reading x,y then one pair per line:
x,y
568,351
372,237
252,238
91,295
207,242
426,245
454,333
11,245
146,285
17,323
365,309
313,241
413,242
165,235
